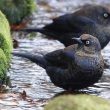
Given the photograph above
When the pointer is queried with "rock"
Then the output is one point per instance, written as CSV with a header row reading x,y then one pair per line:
x,y
78,102
16,10
5,48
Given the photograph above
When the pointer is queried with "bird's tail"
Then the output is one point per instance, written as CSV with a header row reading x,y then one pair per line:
x,y
49,33
38,59
29,30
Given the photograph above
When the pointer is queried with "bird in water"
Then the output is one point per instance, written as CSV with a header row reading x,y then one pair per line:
x,y
90,19
75,67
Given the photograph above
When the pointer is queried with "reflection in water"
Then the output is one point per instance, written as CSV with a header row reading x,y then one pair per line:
x,y
31,87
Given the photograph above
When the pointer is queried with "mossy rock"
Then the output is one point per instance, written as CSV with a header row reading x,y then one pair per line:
x,y
16,10
5,48
78,102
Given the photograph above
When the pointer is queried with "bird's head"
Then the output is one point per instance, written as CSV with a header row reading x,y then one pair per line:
x,y
99,14
88,43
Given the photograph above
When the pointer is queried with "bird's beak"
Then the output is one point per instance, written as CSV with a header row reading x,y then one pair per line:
x,y
77,40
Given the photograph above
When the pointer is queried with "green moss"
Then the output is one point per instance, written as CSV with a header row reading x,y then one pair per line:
x,y
3,63
5,47
16,10
5,36
78,102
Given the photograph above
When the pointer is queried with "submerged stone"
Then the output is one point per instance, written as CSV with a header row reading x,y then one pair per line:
x,y
78,102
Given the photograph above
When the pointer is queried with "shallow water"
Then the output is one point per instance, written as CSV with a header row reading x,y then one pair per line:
x,y
31,87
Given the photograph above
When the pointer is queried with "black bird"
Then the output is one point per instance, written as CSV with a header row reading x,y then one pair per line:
x,y
91,19
74,67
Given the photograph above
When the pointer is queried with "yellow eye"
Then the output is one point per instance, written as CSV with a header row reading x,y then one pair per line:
x,y
87,42
105,15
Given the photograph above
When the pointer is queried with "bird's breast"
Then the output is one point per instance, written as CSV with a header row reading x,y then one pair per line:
x,y
85,63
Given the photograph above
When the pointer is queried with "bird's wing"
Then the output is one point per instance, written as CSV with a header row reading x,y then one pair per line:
x,y
60,58
56,59
68,26
70,23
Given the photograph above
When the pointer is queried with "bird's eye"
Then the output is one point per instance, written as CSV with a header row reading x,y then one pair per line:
x,y
106,15
87,42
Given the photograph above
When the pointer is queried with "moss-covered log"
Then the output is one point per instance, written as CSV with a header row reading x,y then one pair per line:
x,y
16,10
78,102
5,47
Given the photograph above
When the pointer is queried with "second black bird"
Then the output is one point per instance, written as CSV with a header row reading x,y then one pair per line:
x,y
74,67
91,19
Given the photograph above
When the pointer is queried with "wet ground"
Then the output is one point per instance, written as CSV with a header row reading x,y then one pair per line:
x,y
31,87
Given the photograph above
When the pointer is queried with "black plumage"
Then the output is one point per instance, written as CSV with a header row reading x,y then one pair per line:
x,y
74,67
90,19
